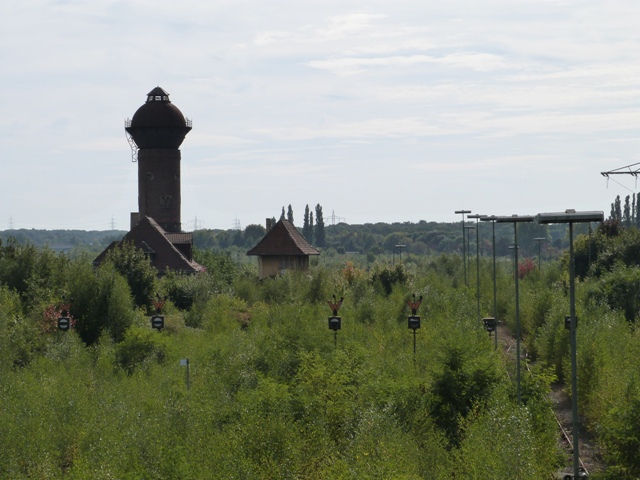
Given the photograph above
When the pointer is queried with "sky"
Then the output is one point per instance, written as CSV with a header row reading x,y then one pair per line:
x,y
379,111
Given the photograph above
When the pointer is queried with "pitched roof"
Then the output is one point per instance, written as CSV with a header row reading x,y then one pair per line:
x,y
156,242
283,239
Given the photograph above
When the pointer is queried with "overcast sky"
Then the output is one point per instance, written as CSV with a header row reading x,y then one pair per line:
x,y
379,111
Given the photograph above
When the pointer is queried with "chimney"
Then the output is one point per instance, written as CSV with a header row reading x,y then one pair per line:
x,y
268,224
135,219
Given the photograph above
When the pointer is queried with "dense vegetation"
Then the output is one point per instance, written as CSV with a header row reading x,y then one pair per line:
x,y
377,241
270,394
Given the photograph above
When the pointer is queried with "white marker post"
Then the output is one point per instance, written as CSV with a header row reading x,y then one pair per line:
x,y
184,362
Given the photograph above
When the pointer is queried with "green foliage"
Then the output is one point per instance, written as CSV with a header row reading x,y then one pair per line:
x,y
620,290
101,301
140,345
134,266
272,395
384,277
220,267
37,274
602,251
498,444
621,436
461,383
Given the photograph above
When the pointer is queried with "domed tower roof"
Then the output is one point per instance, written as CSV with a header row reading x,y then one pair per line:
x,y
158,123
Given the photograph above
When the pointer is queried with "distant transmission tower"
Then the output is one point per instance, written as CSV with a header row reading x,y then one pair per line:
x,y
113,223
10,223
334,217
236,224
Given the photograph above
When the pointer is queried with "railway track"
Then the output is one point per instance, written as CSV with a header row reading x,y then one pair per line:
x,y
590,459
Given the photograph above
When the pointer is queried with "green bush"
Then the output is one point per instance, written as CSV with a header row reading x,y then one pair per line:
x,y
101,301
140,345
132,263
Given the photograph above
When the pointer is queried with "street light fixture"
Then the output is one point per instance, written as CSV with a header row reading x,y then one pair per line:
x,y
493,219
477,217
515,219
571,217
464,247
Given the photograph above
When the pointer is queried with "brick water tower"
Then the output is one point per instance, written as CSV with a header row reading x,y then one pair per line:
x,y
156,132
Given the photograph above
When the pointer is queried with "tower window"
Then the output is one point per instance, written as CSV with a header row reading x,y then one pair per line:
x,y
158,97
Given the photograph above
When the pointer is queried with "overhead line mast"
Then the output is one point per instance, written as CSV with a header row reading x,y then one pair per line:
x,y
626,170
622,171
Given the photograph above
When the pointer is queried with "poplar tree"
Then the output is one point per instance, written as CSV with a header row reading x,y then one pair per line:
x,y
306,227
626,217
319,230
290,214
616,209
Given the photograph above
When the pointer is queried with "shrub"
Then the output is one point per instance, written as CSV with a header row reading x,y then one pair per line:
x,y
139,346
102,301
134,266
384,277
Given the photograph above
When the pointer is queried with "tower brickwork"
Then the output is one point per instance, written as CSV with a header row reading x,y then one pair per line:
x,y
158,128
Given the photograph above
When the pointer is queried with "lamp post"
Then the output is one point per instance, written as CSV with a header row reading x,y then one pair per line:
x,y
477,217
492,219
399,248
515,219
468,229
464,247
571,217
539,240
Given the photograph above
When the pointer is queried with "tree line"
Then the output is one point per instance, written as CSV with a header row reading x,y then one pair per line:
x,y
371,239
312,233
629,214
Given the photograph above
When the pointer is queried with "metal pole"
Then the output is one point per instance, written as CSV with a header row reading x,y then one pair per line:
x,y
468,228
492,219
464,247
539,240
478,265
570,216
464,252
516,219
477,217
539,251
515,236
574,369
414,346
495,306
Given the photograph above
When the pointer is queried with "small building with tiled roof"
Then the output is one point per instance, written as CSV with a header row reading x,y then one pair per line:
x,y
282,248
165,250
